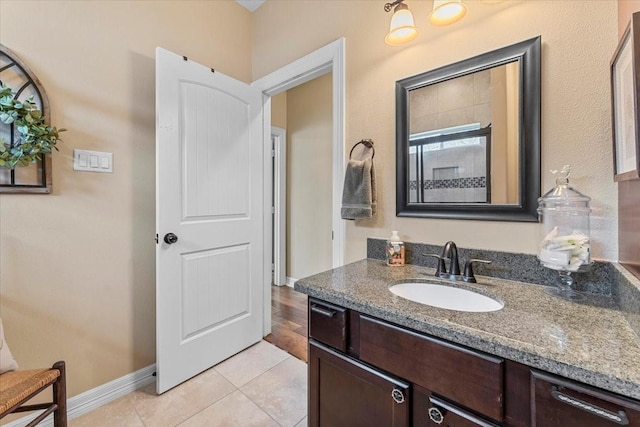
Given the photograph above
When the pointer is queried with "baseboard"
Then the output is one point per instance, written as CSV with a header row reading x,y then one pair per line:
x,y
290,281
96,397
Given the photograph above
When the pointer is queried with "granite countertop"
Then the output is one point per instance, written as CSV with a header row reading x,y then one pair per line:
x,y
591,341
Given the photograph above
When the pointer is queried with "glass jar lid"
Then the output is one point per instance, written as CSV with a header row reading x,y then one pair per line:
x,y
562,197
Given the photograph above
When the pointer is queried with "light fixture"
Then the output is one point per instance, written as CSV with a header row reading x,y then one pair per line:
x,y
447,12
402,28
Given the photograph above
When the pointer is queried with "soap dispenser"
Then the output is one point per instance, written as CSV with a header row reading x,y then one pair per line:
x,y
395,250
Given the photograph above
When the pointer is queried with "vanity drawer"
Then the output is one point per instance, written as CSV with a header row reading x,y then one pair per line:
x,y
471,379
328,324
429,410
560,402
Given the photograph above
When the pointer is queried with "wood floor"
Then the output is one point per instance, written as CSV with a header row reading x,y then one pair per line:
x,y
289,321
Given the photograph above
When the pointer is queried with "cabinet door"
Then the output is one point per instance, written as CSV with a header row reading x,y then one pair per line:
x,y
560,402
344,392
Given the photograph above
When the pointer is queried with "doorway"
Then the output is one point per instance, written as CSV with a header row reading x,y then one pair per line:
x,y
328,59
302,161
301,133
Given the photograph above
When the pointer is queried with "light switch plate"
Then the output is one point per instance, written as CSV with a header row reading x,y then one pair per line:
x,y
92,161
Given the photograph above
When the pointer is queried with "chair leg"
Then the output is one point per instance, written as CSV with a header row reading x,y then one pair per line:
x,y
60,396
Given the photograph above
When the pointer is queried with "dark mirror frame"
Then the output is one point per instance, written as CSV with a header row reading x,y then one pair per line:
x,y
528,54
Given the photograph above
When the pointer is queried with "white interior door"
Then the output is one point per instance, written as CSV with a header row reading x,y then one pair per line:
x,y
209,170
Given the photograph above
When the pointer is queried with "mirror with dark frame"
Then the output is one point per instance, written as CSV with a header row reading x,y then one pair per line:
x,y
468,138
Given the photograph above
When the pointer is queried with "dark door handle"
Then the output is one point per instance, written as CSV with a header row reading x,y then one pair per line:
x,y
170,238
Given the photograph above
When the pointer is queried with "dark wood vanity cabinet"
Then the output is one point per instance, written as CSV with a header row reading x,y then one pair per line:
x,y
349,393
367,372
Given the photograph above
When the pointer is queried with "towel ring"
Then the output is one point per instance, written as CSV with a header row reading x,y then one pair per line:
x,y
367,143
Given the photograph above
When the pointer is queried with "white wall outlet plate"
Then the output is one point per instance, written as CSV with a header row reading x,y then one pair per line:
x,y
92,161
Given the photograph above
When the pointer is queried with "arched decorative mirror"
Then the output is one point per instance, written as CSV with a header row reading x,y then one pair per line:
x,y
468,138
36,177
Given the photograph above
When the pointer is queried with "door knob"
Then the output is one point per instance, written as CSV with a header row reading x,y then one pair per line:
x,y
170,238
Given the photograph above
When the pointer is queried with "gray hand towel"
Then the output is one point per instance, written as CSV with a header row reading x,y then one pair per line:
x,y
359,198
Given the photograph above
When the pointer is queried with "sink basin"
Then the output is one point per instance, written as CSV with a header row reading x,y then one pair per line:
x,y
447,297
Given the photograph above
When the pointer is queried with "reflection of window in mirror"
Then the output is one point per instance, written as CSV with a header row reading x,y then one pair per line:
x,y
488,162
450,165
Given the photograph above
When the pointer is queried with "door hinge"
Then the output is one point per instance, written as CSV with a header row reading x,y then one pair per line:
x,y
331,234
273,153
156,238
273,209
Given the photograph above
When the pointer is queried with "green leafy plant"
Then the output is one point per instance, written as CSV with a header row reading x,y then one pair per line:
x,y
32,136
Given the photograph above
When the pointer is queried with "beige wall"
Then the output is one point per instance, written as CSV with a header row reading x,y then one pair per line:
x,y
77,268
578,40
625,9
279,110
309,163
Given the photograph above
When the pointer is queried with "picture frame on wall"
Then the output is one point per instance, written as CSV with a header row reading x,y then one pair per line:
x,y
625,107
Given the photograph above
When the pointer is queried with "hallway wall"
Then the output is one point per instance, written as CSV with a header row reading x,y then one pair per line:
x,y
309,177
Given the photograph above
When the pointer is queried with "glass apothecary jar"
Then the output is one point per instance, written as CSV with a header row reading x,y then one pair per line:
x,y
566,245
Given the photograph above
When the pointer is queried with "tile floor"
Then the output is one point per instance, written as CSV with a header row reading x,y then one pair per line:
x,y
261,386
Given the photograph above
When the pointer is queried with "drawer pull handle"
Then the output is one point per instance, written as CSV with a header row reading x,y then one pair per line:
x,y
435,415
397,395
324,312
619,418
446,407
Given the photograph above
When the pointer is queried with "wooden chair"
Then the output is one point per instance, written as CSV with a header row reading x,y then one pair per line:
x,y
17,387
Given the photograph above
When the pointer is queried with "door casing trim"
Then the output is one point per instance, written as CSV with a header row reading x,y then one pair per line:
x,y
280,206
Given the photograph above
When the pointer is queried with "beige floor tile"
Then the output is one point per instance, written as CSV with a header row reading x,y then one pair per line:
x,y
233,410
119,413
180,403
251,363
281,392
275,384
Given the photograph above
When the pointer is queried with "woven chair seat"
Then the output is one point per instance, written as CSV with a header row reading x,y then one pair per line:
x,y
16,386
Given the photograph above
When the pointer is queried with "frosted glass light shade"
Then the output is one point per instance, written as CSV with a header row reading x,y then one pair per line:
x,y
447,12
402,28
